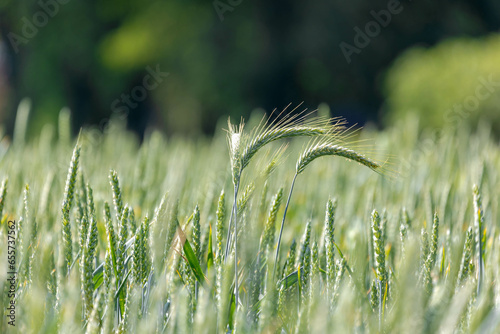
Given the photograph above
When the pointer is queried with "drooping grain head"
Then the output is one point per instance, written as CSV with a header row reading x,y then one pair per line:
x,y
325,149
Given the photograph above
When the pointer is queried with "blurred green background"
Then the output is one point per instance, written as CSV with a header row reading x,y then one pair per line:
x,y
229,57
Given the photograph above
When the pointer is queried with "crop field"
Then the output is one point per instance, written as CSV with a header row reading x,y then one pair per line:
x,y
385,231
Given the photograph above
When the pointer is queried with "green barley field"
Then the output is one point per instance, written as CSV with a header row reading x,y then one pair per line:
x,y
393,231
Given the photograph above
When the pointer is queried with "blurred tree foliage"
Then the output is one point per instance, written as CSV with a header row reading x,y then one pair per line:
x,y
455,82
256,54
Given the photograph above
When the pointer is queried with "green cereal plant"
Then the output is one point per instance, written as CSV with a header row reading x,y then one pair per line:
x,y
243,147
88,256
122,240
434,242
275,161
66,208
424,247
466,258
374,298
267,239
478,224
219,227
196,233
288,269
242,203
331,206
290,260
141,256
315,259
403,230
196,237
379,254
219,230
3,196
82,219
340,269
172,229
305,244
117,194
326,146
20,239
27,257
94,322
131,219
107,270
305,275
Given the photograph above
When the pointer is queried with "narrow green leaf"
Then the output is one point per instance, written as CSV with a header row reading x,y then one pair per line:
x,y
343,258
290,279
122,285
210,256
98,276
191,257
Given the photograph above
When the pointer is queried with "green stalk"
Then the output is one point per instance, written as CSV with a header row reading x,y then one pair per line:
x,y
276,263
